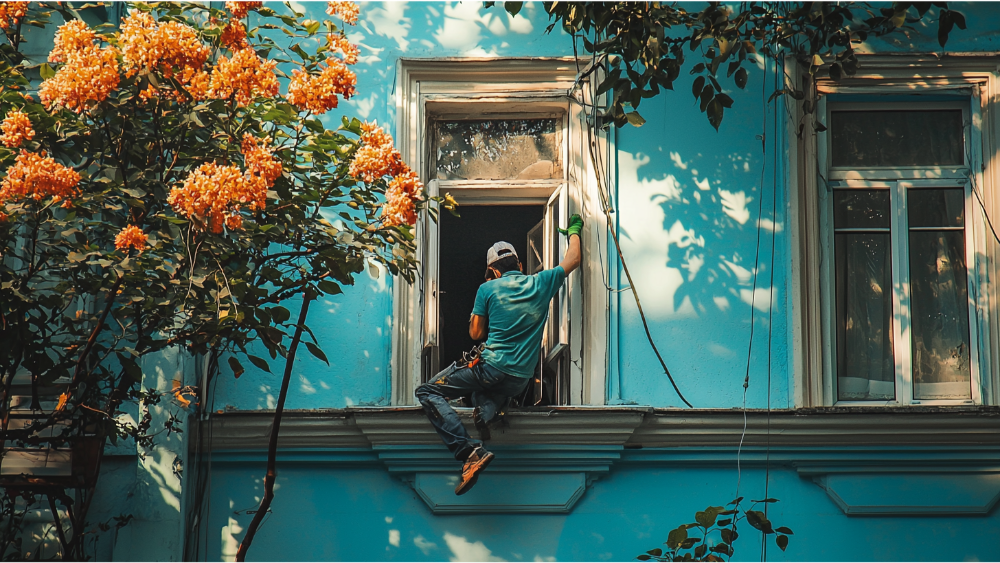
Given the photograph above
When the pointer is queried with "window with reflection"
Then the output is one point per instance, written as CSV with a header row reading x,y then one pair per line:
x,y
900,275
498,149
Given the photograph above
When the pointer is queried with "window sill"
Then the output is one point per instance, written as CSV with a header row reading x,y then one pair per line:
x,y
626,426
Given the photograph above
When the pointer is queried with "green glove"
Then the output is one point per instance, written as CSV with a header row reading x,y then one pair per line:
x,y
575,226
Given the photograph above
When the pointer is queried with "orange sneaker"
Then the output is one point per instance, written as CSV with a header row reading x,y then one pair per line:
x,y
477,462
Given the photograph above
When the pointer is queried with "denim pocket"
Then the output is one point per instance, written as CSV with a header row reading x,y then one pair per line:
x,y
489,375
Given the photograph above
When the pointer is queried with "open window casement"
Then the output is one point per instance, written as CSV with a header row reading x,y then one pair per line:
x,y
430,351
545,250
503,138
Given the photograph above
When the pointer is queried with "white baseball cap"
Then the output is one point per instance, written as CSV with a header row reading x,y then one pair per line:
x,y
499,250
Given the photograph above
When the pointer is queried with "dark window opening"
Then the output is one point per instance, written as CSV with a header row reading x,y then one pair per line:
x,y
462,264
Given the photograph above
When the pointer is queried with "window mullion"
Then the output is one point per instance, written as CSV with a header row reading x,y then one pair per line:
x,y
901,295
975,320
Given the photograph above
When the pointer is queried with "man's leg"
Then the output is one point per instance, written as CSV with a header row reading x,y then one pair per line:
x,y
451,383
491,402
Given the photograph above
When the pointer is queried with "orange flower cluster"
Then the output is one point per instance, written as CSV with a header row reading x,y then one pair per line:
x,y
376,159
16,129
72,37
11,13
38,177
171,48
241,9
319,93
400,199
89,73
244,76
340,43
214,195
348,11
260,164
399,209
234,35
131,237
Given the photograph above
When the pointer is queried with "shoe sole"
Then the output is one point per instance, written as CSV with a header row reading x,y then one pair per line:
x,y
463,488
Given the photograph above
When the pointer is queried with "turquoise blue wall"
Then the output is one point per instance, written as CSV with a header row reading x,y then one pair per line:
x,y
690,200
355,329
326,512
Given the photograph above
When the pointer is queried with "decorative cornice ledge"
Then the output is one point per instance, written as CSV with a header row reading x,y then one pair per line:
x,y
564,449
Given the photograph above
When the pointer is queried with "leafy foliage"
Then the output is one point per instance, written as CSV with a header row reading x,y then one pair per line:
x,y
79,312
711,538
641,48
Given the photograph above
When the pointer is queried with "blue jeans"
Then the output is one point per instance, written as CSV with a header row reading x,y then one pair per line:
x,y
489,388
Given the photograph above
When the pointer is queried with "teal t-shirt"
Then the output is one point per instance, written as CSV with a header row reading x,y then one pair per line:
x,y
516,306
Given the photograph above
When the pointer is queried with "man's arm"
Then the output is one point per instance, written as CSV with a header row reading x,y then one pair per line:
x,y
478,327
571,260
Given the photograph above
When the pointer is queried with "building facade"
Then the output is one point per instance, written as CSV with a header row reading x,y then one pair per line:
x,y
818,276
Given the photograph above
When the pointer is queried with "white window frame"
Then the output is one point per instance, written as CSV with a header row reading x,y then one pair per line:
x,y
812,325
481,88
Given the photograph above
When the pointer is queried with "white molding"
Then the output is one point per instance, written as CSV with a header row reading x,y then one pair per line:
x,y
631,427
479,87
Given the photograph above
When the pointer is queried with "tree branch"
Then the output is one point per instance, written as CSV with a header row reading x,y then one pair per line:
x,y
272,445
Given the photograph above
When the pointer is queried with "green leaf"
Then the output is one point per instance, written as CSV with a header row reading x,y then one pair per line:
x,y
635,119
330,288
835,72
655,552
259,362
706,518
513,8
643,558
725,100
714,112
130,367
757,519
958,18
741,78
696,88
783,530
315,351
728,535
782,541
46,71
236,366
676,537
279,314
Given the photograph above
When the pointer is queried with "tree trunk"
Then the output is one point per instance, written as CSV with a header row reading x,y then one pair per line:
x,y
272,445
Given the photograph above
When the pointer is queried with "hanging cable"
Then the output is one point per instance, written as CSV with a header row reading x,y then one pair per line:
x,y
606,208
770,304
756,267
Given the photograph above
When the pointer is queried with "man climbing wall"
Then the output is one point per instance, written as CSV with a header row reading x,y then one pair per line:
x,y
510,312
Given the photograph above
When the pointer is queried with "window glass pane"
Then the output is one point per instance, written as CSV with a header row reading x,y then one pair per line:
x,y
939,309
936,207
865,363
498,149
856,209
863,139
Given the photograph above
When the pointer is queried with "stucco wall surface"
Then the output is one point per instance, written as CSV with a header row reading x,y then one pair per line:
x,y
326,514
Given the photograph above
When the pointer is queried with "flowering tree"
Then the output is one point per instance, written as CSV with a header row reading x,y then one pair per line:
x,y
163,191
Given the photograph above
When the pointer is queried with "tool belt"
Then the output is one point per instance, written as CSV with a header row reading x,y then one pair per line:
x,y
472,357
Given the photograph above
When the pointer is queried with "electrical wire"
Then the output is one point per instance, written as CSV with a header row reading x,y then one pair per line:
x,y
606,208
770,304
